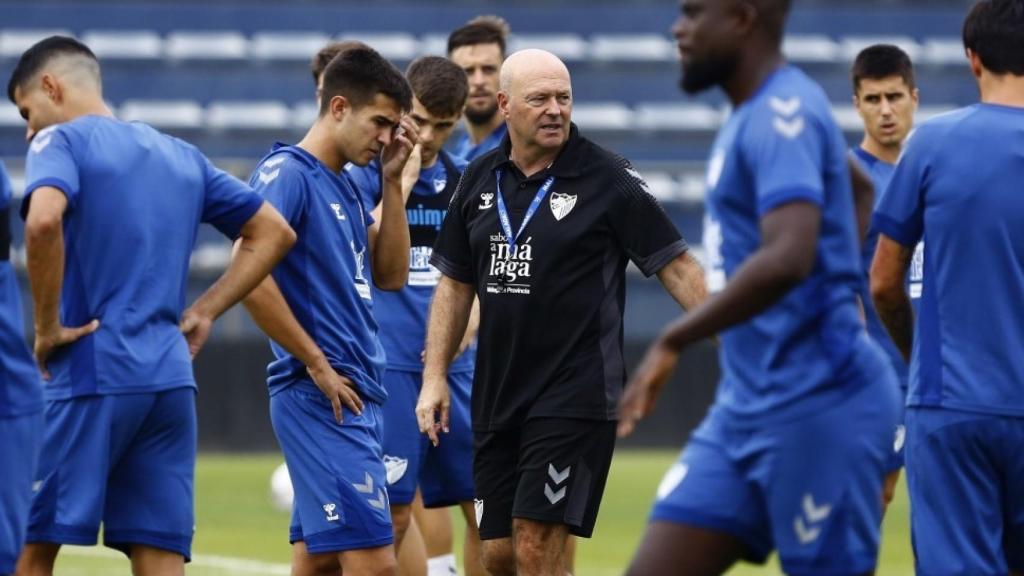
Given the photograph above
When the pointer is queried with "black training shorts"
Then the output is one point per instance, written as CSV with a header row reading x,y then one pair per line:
x,y
549,470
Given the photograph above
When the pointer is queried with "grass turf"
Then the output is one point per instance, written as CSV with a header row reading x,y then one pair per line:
x,y
239,532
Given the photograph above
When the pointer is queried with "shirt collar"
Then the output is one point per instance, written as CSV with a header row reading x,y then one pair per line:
x,y
568,163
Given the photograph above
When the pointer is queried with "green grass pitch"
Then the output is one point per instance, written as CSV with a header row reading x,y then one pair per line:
x,y
239,533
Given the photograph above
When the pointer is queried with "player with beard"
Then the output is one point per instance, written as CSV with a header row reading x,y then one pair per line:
x,y
792,453
479,48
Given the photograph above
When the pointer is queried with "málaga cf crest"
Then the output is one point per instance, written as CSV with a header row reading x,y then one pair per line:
x,y
562,204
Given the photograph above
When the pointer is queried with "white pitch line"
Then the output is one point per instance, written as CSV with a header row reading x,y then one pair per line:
x,y
234,565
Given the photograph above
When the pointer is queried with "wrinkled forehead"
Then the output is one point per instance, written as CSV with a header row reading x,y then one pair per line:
x,y
553,83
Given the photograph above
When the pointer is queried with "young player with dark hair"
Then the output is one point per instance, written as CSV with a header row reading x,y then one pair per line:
x,y
793,452
317,308
111,213
957,188
443,474
478,47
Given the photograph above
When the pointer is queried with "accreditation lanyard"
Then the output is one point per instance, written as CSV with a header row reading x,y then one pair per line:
x,y
506,222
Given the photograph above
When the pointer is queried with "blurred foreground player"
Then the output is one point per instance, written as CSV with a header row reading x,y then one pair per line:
x,y
111,213
325,384
444,473
21,402
793,451
885,97
958,188
541,229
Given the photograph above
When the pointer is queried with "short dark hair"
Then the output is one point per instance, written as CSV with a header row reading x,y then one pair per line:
x,y
327,53
994,30
480,30
881,61
359,74
438,84
36,57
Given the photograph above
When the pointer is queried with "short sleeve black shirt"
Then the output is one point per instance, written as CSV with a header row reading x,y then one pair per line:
x,y
550,339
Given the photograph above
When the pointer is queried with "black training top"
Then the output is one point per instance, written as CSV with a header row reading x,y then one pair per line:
x,y
550,340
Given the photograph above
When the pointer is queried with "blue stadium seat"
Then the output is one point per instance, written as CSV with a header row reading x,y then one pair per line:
x,y
234,115
810,49
206,45
593,116
674,116
167,114
632,48
850,46
287,46
944,52
14,41
124,44
399,46
568,47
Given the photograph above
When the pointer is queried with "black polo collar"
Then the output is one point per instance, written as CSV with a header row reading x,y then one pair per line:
x,y
568,163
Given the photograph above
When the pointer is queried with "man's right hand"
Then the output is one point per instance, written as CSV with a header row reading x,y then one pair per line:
x,y
338,389
434,399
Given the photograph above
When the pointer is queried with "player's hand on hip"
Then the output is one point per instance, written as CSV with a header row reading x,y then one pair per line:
x,y
432,408
196,327
339,390
48,340
394,156
644,387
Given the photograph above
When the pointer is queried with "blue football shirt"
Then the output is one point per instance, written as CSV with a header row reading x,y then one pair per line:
x,y
781,146
465,149
957,188
881,173
325,278
21,390
136,198
403,314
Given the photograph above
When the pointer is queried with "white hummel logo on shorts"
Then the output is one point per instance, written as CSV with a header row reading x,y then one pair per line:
x,y
331,515
478,505
558,479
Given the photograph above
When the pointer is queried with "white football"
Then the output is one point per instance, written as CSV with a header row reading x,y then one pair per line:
x,y
281,492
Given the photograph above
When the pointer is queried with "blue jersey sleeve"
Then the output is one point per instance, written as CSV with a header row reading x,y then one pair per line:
x,y
228,203
51,162
784,146
899,213
283,187
366,182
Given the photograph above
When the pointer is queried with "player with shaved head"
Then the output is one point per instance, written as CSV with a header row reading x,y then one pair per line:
x,y
791,456
541,229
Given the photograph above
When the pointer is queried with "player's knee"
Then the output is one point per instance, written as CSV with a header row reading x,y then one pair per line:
x,y
401,517
497,557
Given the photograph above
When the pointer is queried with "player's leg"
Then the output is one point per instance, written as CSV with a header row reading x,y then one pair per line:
x,y
570,555
495,460
403,446
707,514
152,516
437,538
21,437
957,490
563,467
306,564
338,473
412,557
822,476
78,448
446,479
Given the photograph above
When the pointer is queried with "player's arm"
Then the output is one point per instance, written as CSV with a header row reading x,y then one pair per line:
x,y
389,235
683,278
786,257
888,270
270,311
863,196
44,246
472,326
449,315
263,240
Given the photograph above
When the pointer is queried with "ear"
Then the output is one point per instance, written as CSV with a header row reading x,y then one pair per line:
x,y
51,87
746,16
915,95
503,103
975,61
340,106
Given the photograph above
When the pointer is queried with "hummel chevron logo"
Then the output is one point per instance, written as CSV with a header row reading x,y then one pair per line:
x,y
789,128
268,177
366,488
38,144
273,162
809,531
785,107
558,478
379,502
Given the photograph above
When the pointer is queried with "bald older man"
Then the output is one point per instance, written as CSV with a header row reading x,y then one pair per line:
x,y
542,229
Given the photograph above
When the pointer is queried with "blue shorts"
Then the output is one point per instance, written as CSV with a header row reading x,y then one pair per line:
x,y
810,488
337,471
444,473
965,474
21,437
897,456
138,449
